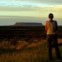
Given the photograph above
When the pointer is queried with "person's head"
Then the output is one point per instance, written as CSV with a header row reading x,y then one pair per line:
x,y
50,16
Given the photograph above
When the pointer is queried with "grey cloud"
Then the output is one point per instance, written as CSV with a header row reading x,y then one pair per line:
x,y
29,7
24,8
44,1
41,1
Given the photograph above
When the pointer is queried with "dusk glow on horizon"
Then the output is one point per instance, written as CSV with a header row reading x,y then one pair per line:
x,y
31,8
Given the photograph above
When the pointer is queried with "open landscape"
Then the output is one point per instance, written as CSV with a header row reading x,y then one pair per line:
x,y
23,51
26,44
22,30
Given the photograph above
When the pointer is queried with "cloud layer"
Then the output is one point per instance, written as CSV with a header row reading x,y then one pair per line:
x,y
40,1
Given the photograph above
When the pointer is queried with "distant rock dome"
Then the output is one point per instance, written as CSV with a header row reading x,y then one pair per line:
x,y
28,24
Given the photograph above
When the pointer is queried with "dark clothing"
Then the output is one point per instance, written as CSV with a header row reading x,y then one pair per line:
x,y
53,42
51,29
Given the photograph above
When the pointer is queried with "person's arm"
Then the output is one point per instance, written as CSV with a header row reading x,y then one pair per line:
x,y
46,26
56,27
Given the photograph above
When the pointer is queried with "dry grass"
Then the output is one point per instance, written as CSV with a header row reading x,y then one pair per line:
x,y
36,51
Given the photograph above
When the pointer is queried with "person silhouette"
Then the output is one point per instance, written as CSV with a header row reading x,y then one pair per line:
x,y
51,28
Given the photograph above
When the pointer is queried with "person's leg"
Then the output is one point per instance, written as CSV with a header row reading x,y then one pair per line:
x,y
49,47
57,48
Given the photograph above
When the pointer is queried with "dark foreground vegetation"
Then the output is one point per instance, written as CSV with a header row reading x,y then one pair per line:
x,y
25,44
25,31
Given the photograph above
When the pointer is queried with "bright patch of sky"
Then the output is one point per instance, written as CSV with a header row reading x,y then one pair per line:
x,y
31,8
18,3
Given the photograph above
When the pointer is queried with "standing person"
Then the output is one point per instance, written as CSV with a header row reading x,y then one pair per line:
x,y
51,30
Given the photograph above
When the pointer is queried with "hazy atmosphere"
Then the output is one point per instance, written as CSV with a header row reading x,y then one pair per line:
x,y
12,11
25,33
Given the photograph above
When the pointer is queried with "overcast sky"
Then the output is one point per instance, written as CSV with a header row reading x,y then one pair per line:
x,y
35,8
38,1
31,8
